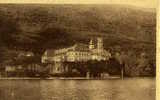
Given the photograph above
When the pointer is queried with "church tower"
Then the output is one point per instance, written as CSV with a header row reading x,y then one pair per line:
x,y
99,43
91,44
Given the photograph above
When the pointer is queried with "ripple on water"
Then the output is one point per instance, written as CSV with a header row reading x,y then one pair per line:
x,y
127,89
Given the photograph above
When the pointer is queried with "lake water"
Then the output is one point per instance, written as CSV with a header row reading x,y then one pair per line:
x,y
127,89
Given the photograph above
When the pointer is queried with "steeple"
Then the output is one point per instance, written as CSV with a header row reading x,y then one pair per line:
x,y
99,43
91,44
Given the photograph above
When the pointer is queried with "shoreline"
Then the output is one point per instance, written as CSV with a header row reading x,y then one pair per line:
x,y
65,78
56,78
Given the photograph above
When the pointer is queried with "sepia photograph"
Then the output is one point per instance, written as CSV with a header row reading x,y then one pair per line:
x,y
78,50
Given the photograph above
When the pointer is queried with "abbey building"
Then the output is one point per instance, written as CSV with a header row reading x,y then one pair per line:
x,y
78,53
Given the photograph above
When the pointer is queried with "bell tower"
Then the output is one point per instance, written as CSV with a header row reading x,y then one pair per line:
x,y
99,43
91,44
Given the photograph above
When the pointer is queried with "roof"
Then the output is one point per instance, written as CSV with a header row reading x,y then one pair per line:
x,y
81,47
103,52
25,53
77,47
49,52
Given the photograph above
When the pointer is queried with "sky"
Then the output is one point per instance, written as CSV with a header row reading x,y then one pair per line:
x,y
138,3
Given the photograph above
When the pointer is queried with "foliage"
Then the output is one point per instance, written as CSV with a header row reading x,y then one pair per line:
x,y
137,64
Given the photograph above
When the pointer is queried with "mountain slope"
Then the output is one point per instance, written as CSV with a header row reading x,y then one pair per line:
x,y
38,27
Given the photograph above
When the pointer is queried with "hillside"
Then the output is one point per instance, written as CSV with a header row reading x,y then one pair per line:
x,y
38,27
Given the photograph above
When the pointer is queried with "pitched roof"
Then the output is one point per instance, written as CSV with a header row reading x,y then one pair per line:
x,y
81,47
77,47
49,52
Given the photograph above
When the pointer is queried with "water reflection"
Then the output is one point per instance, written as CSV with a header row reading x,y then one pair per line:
x,y
128,89
19,90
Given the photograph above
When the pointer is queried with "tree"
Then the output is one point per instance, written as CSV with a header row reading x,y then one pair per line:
x,y
114,67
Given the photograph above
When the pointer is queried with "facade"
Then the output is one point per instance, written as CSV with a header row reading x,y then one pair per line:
x,y
77,53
